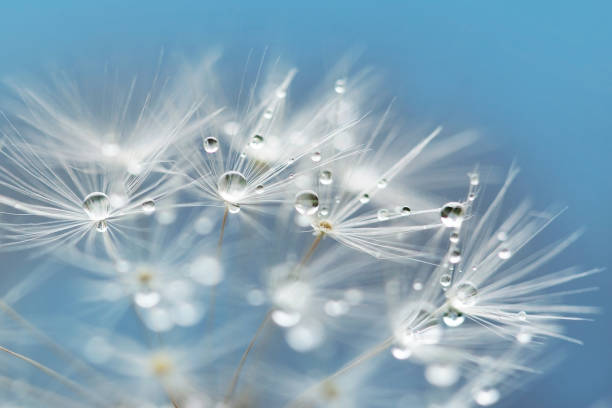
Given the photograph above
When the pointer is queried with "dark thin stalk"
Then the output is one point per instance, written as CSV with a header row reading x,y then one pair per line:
x,y
236,376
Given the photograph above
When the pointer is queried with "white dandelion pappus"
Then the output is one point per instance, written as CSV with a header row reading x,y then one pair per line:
x,y
251,162
49,202
509,297
125,124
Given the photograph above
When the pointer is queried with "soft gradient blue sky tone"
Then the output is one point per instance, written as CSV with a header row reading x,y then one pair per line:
x,y
534,77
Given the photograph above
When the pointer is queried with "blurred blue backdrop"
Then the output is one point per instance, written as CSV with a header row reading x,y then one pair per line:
x,y
534,77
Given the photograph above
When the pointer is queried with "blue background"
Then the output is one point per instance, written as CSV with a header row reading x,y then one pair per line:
x,y
534,77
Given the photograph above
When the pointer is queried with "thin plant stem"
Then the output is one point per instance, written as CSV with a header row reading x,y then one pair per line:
x,y
54,374
236,376
59,350
312,249
220,243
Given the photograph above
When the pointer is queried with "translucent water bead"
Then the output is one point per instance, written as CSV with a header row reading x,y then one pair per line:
x,y
232,186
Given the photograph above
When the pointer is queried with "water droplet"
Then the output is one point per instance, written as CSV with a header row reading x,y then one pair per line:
x,y
445,280
452,214
502,236
268,114
453,318
474,179
232,186
101,226
340,86
281,93
316,157
383,214
148,207
307,202
455,257
471,197
466,294
243,155
257,142
524,336
286,319
382,183
259,189
325,177
401,353
417,286
442,375
233,208
305,336
97,206
323,212
146,299
211,145
454,237
486,396
504,253
522,315
405,210
364,199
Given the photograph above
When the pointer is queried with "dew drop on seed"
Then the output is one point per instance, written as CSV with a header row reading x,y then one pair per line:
x,y
97,206
316,157
148,207
233,208
455,257
323,212
445,280
257,142
364,199
401,353
504,253
486,396
474,179
307,202
268,114
454,237
442,375
281,93
452,214
340,86
211,145
417,286
243,155
325,177
382,183
232,186
146,299
101,226
466,294
405,210
522,315
453,318
383,214
259,189
471,197
524,336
